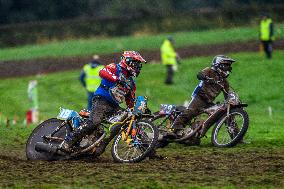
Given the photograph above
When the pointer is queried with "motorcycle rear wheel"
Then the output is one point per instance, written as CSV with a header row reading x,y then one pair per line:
x,y
45,128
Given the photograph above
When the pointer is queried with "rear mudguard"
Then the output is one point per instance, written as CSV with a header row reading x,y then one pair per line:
x,y
241,105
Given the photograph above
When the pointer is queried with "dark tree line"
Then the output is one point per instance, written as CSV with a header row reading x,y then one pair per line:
x,y
38,21
21,11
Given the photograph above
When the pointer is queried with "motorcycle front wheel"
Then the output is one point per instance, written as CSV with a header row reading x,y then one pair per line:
x,y
230,129
133,150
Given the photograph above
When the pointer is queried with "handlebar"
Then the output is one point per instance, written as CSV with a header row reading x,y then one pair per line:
x,y
125,82
218,83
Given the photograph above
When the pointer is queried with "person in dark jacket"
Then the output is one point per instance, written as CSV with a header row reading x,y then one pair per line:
x,y
117,86
213,80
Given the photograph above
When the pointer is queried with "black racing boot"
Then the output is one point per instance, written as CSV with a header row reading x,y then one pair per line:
x,y
177,126
174,133
77,135
113,132
170,135
101,149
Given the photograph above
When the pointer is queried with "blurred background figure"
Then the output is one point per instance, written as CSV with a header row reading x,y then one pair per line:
x,y
169,58
33,112
90,78
266,35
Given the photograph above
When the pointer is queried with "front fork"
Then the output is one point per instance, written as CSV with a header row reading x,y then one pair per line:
x,y
228,110
230,128
131,128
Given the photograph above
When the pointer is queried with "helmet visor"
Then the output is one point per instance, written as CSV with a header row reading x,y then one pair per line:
x,y
137,65
226,67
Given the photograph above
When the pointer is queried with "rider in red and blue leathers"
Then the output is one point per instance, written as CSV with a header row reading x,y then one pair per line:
x,y
110,76
117,85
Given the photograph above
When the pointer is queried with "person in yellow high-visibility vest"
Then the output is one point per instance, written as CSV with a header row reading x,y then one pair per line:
x,y
266,35
90,78
169,58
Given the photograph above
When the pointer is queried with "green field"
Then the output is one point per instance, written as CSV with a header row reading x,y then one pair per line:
x,y
256,165
110,45
257,81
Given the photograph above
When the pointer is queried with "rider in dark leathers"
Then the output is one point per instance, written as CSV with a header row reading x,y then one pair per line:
x,y
211,80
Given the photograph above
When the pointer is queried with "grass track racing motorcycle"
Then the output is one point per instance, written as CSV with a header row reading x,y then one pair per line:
x,y
230,119
134,138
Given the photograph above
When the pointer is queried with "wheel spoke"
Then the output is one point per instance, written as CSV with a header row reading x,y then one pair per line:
x,y
126,154
135,151
143,148
127,151
229,128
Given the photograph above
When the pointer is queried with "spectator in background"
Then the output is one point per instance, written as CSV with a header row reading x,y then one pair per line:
x,y
266,35
90,78
169,58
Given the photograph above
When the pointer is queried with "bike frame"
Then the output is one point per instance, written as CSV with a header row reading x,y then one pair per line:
x,y
125,135
208,122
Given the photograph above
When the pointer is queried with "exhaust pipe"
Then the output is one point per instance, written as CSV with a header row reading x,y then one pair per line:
x,y
44,147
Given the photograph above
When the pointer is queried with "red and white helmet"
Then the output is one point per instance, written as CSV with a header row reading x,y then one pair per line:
x,y
132,62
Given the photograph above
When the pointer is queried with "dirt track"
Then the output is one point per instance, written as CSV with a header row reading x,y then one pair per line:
x,y
186,166
47,65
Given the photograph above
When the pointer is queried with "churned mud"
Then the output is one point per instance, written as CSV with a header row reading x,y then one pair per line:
x,y
185,167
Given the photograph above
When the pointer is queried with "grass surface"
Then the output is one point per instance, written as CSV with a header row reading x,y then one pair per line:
x,y
258,82
110,45
259,164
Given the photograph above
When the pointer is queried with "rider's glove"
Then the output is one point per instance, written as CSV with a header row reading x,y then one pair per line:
x,y
123,84
148,111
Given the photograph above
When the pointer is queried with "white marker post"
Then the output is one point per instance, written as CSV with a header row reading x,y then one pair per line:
x,y
32,114
270,111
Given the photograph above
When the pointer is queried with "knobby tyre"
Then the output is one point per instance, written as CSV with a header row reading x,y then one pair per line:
x,y
136,150
45,128
230,130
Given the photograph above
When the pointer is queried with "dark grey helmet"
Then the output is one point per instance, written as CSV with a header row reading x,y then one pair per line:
x,y
222,64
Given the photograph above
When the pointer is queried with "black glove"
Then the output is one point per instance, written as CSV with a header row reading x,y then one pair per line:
x,y
124,84
148,111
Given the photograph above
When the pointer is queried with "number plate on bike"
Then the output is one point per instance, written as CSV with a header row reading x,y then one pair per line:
x,y
140,105
167,108
65,114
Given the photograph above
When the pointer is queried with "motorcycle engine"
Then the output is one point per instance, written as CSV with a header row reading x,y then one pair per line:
x,y
84,143
88,140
